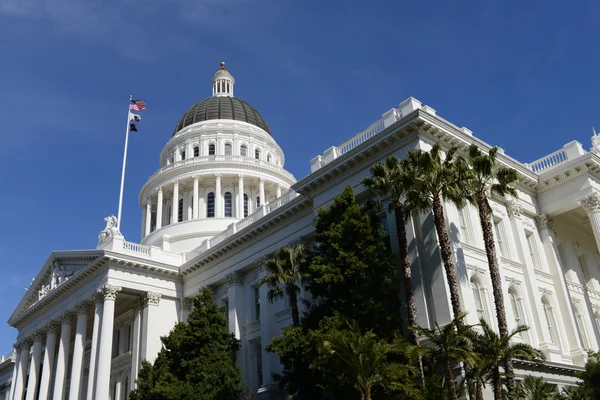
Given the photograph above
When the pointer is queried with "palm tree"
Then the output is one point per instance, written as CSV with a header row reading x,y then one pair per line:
x,y
487,178
446,345
284,276
493,350
388,179
364,358
537,389
430,181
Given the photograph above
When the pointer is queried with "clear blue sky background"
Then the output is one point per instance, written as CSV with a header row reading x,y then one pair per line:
x,y
520,75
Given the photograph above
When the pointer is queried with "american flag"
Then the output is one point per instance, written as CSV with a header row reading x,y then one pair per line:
x,y
137,105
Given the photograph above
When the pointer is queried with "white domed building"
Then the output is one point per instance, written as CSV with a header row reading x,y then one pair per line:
x,y
221,203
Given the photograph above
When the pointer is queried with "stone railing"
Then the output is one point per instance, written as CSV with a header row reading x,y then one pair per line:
x,y
136,249
569,151
9,356
220,158
361,137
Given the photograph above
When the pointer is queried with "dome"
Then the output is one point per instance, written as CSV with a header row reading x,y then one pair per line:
x,y
223,107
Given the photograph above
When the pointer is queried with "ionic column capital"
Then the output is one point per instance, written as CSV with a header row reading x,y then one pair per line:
x,y
151,298
218,176
591,203
108,292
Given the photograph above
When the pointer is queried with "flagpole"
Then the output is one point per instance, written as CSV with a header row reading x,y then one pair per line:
x,y
123,170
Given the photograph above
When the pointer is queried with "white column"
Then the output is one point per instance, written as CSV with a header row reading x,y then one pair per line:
x,y
240,213
265,328
99,300
148,216
235,297
13,380
149,345
135,345
106,338
175,203
49,354
278,187
195,199
218,199
262,191
22,364
159,207
118,389
62,362
79,350
34,367
591,204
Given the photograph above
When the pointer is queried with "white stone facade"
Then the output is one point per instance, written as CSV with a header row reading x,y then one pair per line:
x,y
214,212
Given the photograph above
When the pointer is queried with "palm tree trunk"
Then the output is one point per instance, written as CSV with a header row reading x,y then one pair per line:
x,y
497,384
368,394
485,218
295,313
446,250
478,390
450,381
403,244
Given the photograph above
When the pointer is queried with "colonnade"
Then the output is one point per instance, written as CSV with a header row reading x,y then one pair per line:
x,y
51,358
202,196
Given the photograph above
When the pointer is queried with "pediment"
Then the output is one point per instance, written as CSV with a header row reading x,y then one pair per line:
x,y
57,270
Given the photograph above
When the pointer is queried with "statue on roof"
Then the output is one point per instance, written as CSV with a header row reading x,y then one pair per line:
x,y
595,143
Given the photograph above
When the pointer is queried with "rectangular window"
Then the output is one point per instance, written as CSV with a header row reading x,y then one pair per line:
x,y
533,251
463,220
499,232
257,201
585,342
257,303
584,269
259,365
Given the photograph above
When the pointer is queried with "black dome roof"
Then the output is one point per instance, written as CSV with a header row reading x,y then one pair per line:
x,y
224,107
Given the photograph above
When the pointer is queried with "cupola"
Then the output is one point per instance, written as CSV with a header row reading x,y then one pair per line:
x,y
222,82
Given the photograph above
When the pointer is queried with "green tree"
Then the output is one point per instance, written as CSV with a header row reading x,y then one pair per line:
x,y
536,389
486,177
431,180
284,275
196,361
493,350
591,376
351,275
366,360
446,345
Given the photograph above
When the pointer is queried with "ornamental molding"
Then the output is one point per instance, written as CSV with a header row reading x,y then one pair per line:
x,y
528,223
234,279
38,336
513,282
151,299
591,203
108,292
498,209
52,327
67,317
514,209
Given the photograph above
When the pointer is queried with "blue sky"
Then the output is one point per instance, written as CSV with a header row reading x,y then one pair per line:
x,y
520,75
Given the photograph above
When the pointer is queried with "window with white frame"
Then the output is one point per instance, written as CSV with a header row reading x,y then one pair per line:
x,y
211,149
480,300
518,311
501,238
257,154
581,326
268,158
243,150
228,204
180,210
465,227
550,321
183,155
245,205
228,149
582,260
196,151
210,205
257,303
533,251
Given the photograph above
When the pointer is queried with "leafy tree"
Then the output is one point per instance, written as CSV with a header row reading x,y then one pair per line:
x,y
591,376
485,177
196,361
351,276
365,360
431,181
493,350
284,274
388,178
446,345
536,389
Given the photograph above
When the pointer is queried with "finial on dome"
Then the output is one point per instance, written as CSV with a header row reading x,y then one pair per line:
x,y
222,82
222,64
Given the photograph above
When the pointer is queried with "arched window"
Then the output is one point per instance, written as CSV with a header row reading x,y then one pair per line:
x,y
550,320
245,205
228,149
257,201
183,155
479,295
172,158
196,151
257,154
211,149
228,205
518,311
243,150
268,158
581,326
210,205
180,210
